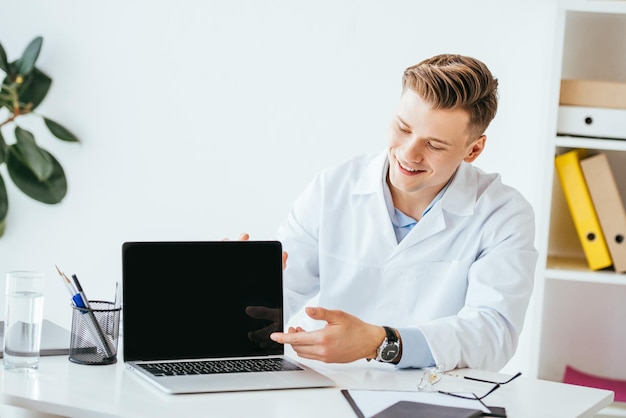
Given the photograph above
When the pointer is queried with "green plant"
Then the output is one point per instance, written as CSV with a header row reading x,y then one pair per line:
x,y
31,168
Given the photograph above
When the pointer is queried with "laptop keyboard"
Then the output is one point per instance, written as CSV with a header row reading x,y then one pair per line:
x,y
219,366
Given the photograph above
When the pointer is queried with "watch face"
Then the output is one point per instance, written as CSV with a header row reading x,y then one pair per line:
x,y
389,352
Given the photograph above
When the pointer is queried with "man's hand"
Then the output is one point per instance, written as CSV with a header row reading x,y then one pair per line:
x,y
344,339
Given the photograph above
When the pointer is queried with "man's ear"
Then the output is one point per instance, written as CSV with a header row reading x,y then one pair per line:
x,y
476,148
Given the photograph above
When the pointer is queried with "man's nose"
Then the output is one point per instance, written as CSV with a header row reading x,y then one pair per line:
x,y
414,149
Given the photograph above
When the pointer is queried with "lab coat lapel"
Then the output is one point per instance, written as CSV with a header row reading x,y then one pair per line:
x,y
425,228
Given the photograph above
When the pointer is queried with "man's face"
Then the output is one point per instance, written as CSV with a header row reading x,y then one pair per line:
x,y
427,145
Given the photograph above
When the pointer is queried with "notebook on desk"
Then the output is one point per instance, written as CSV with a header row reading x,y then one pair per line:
x,y
55,340
197,317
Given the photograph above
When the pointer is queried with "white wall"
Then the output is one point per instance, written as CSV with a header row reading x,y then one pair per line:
x,y
203,119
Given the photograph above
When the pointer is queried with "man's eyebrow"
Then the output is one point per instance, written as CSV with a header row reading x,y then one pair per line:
x,y
430,138
402,121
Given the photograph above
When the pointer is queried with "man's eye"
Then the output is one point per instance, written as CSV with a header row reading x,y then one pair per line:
x,y
432,146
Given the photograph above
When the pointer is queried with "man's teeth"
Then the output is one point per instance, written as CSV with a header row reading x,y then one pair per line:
x,y
408,169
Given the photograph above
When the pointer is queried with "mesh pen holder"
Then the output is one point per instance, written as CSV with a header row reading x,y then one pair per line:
x,y
95,332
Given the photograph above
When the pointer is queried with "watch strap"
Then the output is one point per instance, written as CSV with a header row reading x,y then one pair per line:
x,y
391,334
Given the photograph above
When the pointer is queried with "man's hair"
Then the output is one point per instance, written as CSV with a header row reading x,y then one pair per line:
x,y
451,81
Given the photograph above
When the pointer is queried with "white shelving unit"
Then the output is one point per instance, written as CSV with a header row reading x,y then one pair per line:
x,y
583,312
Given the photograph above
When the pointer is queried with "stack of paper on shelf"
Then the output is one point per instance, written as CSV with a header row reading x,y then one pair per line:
x,y
593,93
609,206
582,210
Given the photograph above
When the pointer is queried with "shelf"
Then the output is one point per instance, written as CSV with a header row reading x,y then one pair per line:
x,y
576,269
581,322
596,6
590,143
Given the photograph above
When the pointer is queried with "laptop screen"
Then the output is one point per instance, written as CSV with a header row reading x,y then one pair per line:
x,y
187,300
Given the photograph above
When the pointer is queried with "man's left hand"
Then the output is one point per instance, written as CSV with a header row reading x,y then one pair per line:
x,y
344,339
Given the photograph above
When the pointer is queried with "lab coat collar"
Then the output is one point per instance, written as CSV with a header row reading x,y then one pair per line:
x,y
375,173
369,187
459,199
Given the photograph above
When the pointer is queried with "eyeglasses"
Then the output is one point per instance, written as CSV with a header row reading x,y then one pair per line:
x,y
433,376
515,376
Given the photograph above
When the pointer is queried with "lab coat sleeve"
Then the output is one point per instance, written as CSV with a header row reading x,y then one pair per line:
x,y
484,334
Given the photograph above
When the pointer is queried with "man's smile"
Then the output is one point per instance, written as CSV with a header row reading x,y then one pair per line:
x,y
408,169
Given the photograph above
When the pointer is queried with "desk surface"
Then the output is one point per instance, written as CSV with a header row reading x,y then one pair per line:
x,y
61,387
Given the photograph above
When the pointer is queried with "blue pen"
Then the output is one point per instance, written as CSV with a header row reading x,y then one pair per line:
x,y
83,298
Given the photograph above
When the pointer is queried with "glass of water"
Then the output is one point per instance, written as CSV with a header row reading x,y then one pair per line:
x,y
23,319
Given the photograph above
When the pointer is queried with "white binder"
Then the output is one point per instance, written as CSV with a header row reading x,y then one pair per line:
x,y
592,122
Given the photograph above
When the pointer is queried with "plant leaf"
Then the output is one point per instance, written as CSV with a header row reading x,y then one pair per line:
x,y
36,159
51,191
60,131
26,64
34,88
5,96
4,63
5,101
3,149
4,204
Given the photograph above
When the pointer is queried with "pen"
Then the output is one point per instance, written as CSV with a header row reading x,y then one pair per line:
x,y
80,292
117,301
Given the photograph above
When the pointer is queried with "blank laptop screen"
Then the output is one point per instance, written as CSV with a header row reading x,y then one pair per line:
x,y
186,300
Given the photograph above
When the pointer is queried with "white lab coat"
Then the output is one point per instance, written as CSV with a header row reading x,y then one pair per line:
x,y
463,275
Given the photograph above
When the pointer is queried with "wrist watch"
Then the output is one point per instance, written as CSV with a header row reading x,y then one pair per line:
x,y
390,347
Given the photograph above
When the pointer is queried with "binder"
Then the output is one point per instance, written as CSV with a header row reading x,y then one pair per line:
x,y
591,122
582,210
609,206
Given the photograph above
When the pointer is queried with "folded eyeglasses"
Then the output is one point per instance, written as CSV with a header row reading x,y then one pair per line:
x,y
432,376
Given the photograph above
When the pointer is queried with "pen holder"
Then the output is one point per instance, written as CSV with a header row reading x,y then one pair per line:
x,y
95,332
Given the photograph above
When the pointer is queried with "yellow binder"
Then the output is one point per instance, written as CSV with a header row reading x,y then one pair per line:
x,y
581,207
607,201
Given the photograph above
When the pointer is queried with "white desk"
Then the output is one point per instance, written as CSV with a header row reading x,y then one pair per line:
x,y
67,389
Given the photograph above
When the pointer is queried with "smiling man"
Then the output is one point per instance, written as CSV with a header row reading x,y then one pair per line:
x,y
418,258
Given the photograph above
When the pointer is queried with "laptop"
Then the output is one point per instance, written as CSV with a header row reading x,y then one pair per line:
x,y
197,317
